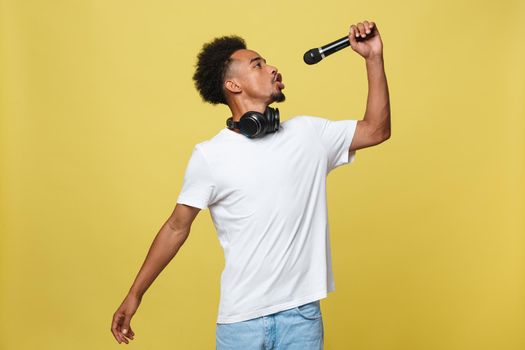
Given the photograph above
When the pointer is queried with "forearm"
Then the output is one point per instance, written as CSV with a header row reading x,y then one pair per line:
x,y
378,104
163,248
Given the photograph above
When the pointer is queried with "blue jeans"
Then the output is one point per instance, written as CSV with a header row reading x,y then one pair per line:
x,y
300,328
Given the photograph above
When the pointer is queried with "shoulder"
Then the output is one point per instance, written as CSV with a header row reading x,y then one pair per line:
x,y
202,147
310,122
211,142
303,118
300,120
223,142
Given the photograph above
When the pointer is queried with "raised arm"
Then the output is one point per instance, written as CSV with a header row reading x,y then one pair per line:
x,y
165,246
375,126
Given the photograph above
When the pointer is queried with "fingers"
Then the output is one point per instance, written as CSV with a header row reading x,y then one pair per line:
x,y
367,26
362,29
121,328
130,334
353,31
115,327
126,329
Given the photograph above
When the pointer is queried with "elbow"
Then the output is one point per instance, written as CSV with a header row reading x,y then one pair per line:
x,y
386,135
381,136
381,131
387,129
178,229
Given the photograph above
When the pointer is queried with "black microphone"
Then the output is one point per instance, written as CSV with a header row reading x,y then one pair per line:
x,y
315,55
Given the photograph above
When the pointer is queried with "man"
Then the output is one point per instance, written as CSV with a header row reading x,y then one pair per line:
x,y
267,199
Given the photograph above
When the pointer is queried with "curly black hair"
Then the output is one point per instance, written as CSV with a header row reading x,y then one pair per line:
x,y
212,65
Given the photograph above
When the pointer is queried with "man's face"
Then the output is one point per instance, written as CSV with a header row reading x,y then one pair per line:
x,y
256,79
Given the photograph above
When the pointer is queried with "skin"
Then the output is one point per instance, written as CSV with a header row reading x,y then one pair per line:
x,y
375,126
251,85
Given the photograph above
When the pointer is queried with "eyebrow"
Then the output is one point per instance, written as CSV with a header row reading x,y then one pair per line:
x,y
256,59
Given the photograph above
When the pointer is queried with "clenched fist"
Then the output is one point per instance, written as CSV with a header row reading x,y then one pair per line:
x,y
365,39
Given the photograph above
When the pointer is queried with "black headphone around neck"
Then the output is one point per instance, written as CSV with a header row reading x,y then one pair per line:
x,y
255,124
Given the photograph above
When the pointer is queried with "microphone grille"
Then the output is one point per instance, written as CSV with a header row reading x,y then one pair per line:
x,y
312,57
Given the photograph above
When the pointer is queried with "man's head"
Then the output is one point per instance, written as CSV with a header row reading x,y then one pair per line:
x,y
227,71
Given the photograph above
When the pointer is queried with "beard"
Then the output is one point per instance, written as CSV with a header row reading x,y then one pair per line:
x,y
278,97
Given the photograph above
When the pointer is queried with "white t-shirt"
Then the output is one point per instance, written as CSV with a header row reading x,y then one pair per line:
x,y
267,200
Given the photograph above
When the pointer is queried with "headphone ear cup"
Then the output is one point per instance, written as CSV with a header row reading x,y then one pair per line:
x,y
252,124
272,116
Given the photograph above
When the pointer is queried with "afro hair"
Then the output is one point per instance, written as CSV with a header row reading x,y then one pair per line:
x,y
212,65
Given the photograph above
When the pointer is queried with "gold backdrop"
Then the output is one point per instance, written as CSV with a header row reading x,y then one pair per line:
x,y
99,115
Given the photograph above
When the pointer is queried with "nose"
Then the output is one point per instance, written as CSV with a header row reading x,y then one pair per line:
x,y
273,69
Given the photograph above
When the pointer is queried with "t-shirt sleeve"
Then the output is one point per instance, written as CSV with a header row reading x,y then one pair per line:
x,y
336,136
198,187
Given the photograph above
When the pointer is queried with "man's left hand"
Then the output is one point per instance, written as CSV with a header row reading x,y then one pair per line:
x,y
369,44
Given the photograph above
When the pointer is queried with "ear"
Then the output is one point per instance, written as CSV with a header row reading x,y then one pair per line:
x,y
232,86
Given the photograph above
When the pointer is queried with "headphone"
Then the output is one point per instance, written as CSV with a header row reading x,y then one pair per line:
x,y
255,124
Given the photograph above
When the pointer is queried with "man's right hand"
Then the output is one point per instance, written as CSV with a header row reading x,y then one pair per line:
x,y
120,326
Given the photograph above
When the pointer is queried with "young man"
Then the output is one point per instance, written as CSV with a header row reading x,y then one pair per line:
x,y
267,198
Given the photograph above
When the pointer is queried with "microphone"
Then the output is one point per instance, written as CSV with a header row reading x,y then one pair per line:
x,y
315,55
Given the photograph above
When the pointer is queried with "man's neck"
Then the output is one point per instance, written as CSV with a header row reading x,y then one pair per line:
x,y
239,108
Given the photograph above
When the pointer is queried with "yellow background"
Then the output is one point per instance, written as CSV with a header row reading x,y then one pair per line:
x,y
99,116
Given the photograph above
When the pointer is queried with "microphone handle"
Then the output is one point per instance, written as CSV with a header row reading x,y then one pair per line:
x,y
334,46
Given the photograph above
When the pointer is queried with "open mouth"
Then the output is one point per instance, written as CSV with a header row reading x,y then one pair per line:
x,y
278,79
